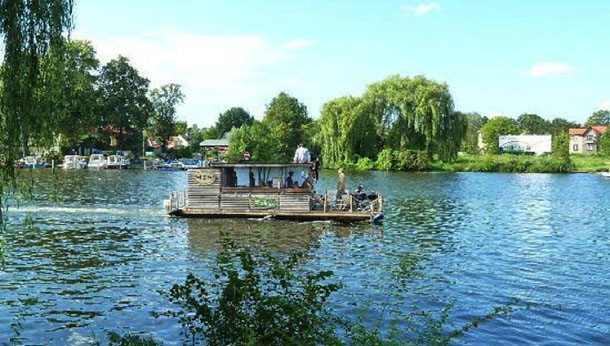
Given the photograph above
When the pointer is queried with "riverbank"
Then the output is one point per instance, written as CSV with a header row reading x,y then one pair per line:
x,y
524,164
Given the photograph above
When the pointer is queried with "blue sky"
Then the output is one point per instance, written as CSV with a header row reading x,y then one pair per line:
x,y
498,57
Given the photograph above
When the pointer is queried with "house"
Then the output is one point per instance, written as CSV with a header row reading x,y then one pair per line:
x,y
221,146
534,144
584,140
175,142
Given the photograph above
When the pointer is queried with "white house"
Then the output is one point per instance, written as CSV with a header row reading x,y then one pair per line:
x,y
584,140
537,144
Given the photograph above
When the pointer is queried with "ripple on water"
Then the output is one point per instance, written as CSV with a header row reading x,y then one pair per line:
x,y
96,248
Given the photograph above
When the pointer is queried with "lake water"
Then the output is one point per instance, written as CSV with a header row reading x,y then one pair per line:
x,y
89,251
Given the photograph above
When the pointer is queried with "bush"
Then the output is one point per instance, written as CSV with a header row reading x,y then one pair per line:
x,y
256,299
385,160
410,160
365,164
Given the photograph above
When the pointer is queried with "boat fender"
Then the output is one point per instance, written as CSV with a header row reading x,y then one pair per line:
x,y
377,219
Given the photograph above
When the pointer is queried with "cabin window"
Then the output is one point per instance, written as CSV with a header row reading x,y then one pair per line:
x,y
590,137
589,147
575,147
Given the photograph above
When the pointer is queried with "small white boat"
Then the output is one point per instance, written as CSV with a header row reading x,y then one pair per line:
x,y
605,174
117,162
74,162
33,162
97,161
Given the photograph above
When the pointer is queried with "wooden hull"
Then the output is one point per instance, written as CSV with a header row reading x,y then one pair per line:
x,y
308,215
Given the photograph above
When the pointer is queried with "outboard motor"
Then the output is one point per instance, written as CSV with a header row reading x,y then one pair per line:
x,y
377,219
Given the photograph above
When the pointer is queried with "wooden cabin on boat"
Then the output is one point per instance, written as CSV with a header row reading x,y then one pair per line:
x,y
282,191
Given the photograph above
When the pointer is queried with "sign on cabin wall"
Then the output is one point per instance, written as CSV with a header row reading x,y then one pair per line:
x,y
205,178
261,202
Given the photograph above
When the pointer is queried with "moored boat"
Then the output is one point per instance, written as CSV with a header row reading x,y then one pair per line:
x,y
117,162
97,161
72,162
33,162
268,191
170,166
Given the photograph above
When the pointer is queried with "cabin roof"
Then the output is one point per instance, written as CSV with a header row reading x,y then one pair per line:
x,y
260,165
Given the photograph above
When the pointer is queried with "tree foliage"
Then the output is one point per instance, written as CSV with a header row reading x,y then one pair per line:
x,y
474,122
347,131
233,117
71,77
164,101
532,124
125,105
601,117
496,127
29,29
262,141
286,117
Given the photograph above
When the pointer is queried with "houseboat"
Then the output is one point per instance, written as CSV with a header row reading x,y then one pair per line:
x,y
267,191
97,161
72,162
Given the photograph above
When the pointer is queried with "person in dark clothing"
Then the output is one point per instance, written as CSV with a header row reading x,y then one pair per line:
x,y
289,180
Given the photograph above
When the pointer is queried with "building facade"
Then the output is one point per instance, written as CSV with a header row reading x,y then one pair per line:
x,y
533,144
585,140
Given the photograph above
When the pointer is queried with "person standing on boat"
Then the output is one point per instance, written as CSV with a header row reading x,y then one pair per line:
x,y
301,155
341,183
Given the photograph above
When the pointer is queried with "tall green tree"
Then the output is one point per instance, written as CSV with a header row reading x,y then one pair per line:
x,y
533,124
259,139
71,77
233,117
286,116
474,122
601,117
124,102
495,127
181,127
560,125
416,113
29,28
347,131
164,101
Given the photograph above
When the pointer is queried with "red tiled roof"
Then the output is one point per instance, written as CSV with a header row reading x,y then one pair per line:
x,y
581,131
600,129
577,131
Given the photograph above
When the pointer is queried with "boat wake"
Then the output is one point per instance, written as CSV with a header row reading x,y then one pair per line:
x,y
88,210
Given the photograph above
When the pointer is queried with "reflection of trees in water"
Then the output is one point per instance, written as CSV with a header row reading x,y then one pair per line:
x,y
427,225
272,236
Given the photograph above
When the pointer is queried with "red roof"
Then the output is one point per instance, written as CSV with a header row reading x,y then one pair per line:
x,y
581,131
577,131
600,129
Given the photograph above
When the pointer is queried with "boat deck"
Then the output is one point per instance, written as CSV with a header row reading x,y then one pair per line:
x,y
309,215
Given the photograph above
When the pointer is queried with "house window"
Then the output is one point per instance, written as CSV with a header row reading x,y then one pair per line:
x,y
574,147
589,147
590,137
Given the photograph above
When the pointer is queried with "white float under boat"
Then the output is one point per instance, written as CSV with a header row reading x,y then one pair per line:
x,y
97,161
74,162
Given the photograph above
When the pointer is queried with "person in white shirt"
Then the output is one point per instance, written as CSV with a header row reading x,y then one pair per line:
x,y
301,155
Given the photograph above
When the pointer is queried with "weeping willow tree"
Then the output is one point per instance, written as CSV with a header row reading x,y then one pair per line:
x,y
397,113
29,29
416,113
347,131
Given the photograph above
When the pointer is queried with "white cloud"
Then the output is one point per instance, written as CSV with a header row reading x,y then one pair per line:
x,y
216,71
605,105
551,68
298,44
421,9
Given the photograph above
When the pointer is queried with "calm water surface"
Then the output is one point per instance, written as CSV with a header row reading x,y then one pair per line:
x,y
89,252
